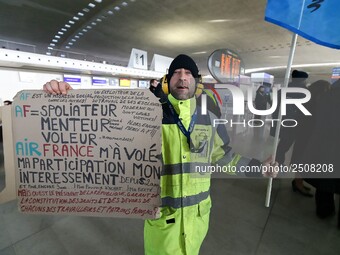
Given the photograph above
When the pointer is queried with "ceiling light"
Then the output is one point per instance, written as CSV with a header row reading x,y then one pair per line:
x,y
275,57
124,3
209,76
80,33
317,64
57,36
219,20
199,52
110,12
98,1
86,10
67,25
293,66
84,30
61,33
52,44
80,14
193,33
94,23
54,40
71,21
117,8
92,5
64,29
75,18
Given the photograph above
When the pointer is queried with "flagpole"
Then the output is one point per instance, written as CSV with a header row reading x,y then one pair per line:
x,y
278,126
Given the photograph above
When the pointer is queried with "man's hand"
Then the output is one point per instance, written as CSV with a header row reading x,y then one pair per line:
x,y
270,167
57,87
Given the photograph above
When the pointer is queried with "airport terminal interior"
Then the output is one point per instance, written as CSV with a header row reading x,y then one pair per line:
x,y
107,45
240,223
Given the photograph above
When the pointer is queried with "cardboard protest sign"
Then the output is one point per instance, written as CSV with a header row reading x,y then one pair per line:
x,y
90,152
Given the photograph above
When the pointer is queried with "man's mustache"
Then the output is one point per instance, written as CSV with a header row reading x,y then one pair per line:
x,y
182,84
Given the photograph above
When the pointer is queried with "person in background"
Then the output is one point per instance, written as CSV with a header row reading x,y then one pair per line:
x,y
153,85
6,102
262,100
299,80
188,140
303,132
323,148
156,88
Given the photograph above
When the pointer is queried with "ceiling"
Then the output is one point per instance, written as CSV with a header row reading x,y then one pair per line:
x,y
168,27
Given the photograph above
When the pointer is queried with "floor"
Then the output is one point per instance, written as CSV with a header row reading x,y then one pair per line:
x,y
239,223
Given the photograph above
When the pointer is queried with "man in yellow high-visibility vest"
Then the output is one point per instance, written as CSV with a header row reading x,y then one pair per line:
x,y
190,144
188,141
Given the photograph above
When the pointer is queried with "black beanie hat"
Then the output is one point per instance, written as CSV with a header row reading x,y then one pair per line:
x,y
299,74
183,61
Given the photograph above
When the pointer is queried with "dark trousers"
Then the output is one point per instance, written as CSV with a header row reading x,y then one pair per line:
x,y
325,205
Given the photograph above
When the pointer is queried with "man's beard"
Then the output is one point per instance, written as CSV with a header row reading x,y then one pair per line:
x,y
183,95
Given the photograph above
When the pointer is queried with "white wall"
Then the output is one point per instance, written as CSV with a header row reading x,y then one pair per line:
x,y
23,70
13,81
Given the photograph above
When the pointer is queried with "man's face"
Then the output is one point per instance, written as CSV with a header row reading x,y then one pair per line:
x,y
182,84
154,83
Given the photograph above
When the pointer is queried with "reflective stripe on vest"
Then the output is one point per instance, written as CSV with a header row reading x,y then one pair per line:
x,y
185,201
183,168
181,184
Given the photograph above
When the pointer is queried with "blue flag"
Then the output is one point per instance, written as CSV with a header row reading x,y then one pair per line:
x,y
315,20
